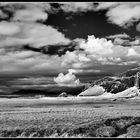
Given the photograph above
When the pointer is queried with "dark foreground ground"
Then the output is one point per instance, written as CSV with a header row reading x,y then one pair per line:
x,y
40,118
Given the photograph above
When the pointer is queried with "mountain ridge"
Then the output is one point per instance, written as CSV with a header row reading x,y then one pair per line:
x,y
118,83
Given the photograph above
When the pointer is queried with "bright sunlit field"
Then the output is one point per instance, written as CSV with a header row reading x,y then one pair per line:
x,y
43,118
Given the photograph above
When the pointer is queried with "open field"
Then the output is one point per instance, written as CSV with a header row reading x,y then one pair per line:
x,y
43,118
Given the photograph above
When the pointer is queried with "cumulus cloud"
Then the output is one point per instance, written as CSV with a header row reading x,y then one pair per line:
x,y
98,51
8,28
23,28
97,46
34,34
31,12
119,41
124,35
75,57
122,17
25,9
68,79
117,12
77,6
109,60
30,15
132,52
126,42
106,5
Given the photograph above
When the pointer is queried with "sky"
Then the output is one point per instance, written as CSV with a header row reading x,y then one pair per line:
x,y
67,42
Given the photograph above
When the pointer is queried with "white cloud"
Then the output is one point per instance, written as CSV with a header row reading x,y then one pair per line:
x,y
124,13
8,28
105,5
119,41
75,59
30,15
40,35
124,35
84,71
109,60
77,6
68,79
132,52
121,13
83,57
97,46
97,51
22,29
34,34
126,42
69,58
30,12
135,42
29,61
28,31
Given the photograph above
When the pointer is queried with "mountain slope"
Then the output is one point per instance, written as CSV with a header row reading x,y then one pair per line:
x,y
118,83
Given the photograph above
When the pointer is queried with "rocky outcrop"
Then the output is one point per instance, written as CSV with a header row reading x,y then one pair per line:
x,y
118,87
128,93
63,94
106,131
125,126
114,84
133,131
120,82
93,91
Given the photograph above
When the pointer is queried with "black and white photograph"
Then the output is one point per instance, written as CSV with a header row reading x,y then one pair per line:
x,y
69,69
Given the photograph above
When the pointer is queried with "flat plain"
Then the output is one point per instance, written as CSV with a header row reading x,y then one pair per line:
x,y
48,118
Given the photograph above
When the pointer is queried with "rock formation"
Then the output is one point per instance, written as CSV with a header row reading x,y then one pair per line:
x,y
63,94
93,91
137,79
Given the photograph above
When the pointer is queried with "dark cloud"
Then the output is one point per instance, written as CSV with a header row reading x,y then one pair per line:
x,y
58,49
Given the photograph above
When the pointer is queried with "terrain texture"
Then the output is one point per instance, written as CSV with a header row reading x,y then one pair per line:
x,y
44,118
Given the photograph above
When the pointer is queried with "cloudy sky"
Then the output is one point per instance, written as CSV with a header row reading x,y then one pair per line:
x,y
76,41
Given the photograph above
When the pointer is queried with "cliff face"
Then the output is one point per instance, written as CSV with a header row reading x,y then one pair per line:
x,y
119,83
116,85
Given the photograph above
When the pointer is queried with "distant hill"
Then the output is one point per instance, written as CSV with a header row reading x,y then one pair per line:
x,y
118,83
130,72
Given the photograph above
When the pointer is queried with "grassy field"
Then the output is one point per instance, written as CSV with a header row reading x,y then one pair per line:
x,y
48,118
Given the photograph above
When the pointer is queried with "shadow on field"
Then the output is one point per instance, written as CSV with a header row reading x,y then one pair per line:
x,y
114,127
